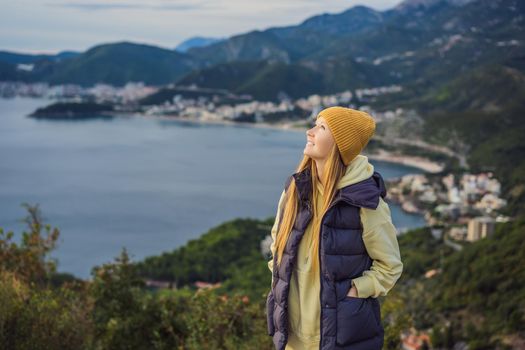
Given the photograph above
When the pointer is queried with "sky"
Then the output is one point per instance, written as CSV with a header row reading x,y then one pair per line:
x,y
50,26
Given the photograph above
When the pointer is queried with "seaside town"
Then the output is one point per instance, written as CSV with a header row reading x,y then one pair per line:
x,y
466,205
208,107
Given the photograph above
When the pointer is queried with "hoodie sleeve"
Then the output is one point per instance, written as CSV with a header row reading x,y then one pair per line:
x,y
380,238
274,230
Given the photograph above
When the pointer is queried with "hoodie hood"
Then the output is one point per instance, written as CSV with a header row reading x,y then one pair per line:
x,y
371,184
358,170
361,185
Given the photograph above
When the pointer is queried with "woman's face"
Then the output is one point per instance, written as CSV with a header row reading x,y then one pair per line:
x,y
319,141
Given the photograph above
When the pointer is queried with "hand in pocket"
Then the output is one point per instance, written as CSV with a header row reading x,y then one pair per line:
x,y
352,292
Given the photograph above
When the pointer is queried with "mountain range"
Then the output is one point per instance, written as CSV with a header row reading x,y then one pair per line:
x,y
423,42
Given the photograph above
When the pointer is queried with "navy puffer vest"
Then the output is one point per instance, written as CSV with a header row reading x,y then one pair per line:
x,y
346,322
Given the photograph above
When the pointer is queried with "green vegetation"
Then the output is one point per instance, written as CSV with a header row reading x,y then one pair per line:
x,y
478,297
262,80
421,252
497,290
113,310
230,250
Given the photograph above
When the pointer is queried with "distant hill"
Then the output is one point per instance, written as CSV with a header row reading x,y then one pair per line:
x,y
262,80
120,63
9,72
289,44
72,110
21,67
17,58
410,5
197,41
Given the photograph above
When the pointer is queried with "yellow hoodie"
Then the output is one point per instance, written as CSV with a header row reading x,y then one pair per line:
x,y
380,238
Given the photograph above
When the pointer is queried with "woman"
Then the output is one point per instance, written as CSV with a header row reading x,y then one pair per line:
x,y
334,246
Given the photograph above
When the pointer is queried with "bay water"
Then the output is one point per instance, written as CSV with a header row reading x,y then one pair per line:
x,y
145,183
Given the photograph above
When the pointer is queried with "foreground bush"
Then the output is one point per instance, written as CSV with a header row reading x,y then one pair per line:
x,y
40,309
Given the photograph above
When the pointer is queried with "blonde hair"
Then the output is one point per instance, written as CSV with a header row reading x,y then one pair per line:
x,y
334,169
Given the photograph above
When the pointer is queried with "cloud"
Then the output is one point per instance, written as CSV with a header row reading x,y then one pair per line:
x,y
222,6
104,6
56,25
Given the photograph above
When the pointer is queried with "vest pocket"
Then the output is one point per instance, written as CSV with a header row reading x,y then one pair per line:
x,y
355,320
269,313
376,310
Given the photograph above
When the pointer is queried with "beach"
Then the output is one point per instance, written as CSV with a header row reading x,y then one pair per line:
x,y
413,161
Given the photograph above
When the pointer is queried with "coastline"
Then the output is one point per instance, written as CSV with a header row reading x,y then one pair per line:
x,y
282,126
425,164
422,163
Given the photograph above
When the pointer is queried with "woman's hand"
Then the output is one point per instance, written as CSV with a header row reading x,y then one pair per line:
x,y
352,292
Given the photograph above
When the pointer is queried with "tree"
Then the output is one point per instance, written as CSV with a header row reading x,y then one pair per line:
x,y
28,261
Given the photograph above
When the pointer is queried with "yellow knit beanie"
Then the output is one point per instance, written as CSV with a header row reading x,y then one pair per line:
x,y
351,129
